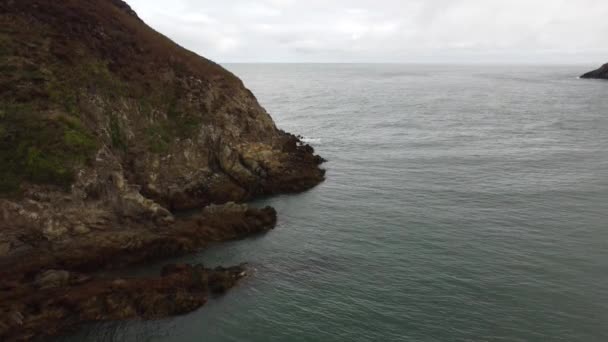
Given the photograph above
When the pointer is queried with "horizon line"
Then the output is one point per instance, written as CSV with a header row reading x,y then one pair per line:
x,y
417,63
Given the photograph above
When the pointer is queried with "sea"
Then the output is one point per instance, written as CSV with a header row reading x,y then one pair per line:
x,y
462,203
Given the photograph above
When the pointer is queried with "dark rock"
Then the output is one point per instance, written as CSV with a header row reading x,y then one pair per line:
x,y
124,7
52,278
45,312
59,298
601,73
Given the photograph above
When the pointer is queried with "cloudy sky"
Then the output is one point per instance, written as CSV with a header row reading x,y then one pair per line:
x,y
443,31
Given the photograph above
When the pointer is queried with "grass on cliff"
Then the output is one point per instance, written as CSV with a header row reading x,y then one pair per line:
x,y
63,63
42,138
40,149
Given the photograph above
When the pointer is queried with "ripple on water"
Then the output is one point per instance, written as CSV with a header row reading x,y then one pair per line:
x,y
461,203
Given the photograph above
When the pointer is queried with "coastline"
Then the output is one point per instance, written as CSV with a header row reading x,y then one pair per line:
x,y
55,287
109,130
601,73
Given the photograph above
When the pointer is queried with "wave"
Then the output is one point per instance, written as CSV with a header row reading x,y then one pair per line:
x,y
308,140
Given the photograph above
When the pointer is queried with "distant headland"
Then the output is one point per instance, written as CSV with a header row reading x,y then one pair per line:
x,y
601,73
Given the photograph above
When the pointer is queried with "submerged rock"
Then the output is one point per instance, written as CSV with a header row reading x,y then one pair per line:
x,y
601,73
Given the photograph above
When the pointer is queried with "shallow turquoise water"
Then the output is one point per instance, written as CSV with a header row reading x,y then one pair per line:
x,y
461,204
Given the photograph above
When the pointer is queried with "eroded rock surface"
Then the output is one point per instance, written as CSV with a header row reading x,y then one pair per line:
x,y
107,130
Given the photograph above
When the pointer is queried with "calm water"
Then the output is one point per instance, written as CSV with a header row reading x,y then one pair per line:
x,y
461,204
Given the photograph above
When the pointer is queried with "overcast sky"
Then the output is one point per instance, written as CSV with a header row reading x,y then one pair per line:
x,y
447,31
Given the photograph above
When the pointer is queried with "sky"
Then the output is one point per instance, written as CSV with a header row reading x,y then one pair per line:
x,y
385,31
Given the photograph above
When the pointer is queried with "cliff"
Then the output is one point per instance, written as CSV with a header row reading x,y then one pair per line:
x,y
107,130
601,73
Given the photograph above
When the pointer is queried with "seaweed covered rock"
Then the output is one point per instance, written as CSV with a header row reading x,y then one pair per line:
x,y
49,310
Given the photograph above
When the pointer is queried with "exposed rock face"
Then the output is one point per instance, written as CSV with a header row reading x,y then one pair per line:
x,y
601,73
107,128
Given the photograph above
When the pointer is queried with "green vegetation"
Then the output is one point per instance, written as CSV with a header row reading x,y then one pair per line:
x,y
181,122
158,138
48,90
64,89
40,149
59,93
117,135
42,139
5,45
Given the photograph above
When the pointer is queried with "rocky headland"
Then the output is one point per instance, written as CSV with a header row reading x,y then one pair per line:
x,y
108,129
601,73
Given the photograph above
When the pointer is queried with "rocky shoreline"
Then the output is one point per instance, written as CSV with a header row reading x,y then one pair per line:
x,y
108,130
601,73
53,258
52,280
53,288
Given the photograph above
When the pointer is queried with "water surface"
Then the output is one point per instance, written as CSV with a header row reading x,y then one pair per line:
x,y
462,203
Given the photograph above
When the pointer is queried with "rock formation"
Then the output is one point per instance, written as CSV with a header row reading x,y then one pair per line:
x,y
107,129
601,73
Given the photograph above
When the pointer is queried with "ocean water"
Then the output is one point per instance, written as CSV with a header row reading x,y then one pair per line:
x,y
462,203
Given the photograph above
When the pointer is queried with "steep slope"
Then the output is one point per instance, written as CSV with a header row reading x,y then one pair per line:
x,y
89,77
107,128
601,73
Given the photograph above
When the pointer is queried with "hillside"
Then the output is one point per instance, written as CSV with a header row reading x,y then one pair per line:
x,y
108,129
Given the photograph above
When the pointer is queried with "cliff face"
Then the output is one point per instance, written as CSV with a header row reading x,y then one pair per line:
x,y
107,128
601,73
104,92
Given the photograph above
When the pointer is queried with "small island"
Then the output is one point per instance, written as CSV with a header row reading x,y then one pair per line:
x,y
601,73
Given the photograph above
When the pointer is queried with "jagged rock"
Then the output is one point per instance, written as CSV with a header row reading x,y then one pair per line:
x,y
54,230
118,129
71,263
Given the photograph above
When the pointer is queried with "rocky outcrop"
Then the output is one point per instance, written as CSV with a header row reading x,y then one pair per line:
x,y
54,307
53,286
107,131
601,73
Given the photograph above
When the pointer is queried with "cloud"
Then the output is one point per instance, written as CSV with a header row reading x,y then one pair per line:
x,y
565,31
